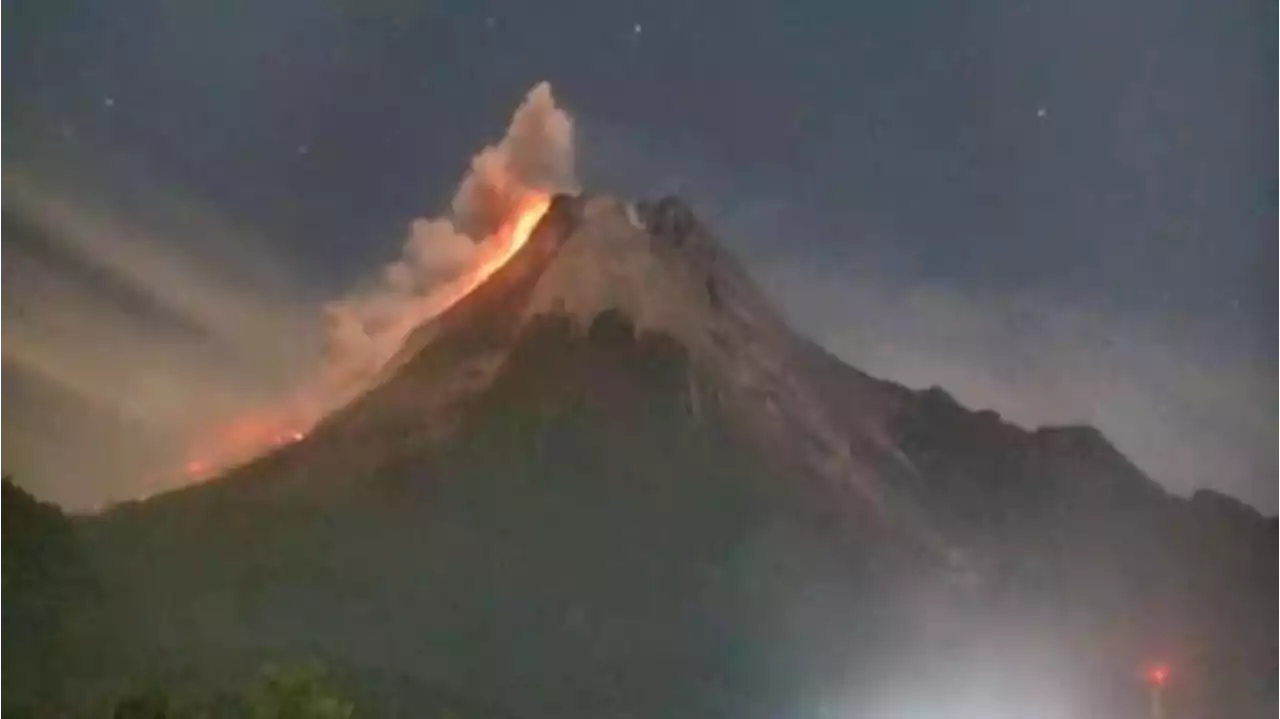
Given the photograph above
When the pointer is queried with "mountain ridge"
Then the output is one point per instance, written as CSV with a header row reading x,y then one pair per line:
x,y
611,480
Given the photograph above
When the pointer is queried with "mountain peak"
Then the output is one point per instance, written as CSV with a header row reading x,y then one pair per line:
x,y
654,265
651,261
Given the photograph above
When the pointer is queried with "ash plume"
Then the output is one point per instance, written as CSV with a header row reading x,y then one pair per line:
x,y
366,328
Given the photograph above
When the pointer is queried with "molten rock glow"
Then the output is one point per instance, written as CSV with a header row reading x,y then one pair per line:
x,y
494,253
239,440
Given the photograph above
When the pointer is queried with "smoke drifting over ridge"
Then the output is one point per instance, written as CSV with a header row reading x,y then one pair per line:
x,y
366,328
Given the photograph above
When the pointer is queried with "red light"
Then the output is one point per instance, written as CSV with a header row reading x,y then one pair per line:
x,y
1158,675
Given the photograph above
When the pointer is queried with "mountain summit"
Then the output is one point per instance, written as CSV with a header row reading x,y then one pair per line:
x,y
596,267
609,480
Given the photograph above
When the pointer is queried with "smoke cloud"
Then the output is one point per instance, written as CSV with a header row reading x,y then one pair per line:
x,y
366,328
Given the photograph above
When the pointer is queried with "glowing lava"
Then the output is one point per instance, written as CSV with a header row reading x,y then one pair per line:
x,y
514,234
497,250
239,441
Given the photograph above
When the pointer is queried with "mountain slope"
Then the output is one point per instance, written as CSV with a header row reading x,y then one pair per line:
x,y
612,482
52,597
592,502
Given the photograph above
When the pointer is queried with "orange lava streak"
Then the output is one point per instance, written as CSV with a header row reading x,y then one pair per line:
x,y
498,250
239,441
515,234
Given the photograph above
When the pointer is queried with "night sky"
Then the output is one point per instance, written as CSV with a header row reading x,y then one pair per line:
x,y
1065,211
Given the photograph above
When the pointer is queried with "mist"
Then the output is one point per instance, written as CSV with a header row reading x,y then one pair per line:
x,y
122,343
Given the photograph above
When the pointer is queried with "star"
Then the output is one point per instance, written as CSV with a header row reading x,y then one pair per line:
x,y
489,21
304,149
1042,112
637,28
109,101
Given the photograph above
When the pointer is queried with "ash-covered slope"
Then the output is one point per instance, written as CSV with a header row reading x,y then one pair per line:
x,y
612,482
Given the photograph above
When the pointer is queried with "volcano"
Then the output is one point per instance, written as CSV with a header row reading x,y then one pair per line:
x,y
609,480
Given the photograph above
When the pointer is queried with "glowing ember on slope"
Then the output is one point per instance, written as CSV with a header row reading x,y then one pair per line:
x,y
239,441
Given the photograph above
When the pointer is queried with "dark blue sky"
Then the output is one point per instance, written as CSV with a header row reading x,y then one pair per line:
x,y
1111,158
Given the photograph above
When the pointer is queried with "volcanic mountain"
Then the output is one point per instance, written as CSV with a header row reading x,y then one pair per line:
x,y
611,481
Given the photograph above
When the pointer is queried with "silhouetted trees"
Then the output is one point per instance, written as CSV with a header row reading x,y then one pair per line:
x,y
297,692
280,691
49,588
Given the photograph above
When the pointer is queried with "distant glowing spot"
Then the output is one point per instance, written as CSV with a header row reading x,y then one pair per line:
x,y
1158,675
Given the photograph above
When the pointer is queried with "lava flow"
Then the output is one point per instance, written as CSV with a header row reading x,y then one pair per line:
x,y
256,432
243,438
496,251
514,234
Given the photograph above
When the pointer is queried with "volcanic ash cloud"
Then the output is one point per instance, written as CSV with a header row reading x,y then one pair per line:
x,y
366,328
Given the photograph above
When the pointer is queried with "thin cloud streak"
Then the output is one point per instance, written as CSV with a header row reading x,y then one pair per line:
x,y
134,330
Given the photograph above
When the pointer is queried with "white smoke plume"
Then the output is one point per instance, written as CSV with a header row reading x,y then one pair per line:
x,y
365,329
